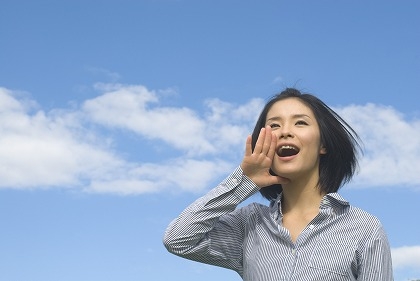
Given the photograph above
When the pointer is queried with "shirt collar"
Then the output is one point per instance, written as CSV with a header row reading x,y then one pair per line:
x,y
330,200
333,199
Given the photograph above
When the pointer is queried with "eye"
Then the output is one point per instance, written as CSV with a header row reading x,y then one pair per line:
x,y
274,125
301,122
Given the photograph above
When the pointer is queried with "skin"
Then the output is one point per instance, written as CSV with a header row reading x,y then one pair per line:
x,y
289,122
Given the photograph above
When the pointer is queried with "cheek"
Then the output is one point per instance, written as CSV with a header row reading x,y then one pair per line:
x,y
314,145
276,133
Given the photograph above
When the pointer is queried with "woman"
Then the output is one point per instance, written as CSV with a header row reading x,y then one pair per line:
x,y
300,153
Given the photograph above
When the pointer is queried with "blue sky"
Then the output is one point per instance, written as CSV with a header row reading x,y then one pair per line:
x,y
115,115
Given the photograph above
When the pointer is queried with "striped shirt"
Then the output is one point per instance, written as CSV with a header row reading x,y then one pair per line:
x,y
341,243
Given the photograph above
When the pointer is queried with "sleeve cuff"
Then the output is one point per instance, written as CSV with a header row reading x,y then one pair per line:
x,y
242,185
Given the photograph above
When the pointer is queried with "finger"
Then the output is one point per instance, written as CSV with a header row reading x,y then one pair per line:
x,y
273,146
248,146
267,141
260,141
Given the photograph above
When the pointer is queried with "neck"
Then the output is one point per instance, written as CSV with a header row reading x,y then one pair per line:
x,y
301,196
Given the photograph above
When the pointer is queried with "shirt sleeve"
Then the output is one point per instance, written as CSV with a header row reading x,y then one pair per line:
x,y
210,230
376,264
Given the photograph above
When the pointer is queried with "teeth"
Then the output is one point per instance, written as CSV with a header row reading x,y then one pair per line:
x,y
287,150
288,147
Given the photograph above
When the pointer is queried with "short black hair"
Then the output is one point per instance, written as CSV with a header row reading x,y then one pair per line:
x,y
339,164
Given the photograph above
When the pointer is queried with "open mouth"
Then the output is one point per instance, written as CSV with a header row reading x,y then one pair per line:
x,y
287,150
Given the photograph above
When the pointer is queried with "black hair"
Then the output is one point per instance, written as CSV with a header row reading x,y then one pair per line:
x,y
339,164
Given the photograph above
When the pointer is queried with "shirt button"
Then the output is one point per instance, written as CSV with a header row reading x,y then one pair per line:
x,y
235,181
311,226
293,252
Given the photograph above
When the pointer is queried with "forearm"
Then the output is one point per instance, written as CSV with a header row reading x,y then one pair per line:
x,y
185,233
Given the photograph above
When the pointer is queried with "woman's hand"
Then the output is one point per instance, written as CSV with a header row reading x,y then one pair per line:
x,y
256,164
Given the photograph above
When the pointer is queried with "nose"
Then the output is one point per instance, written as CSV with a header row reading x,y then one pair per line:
x,y
285,132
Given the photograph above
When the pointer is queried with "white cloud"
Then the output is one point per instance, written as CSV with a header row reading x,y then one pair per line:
x,y
391,145
137,109
64,147
59,149
406,257
131,108
177,174
42,149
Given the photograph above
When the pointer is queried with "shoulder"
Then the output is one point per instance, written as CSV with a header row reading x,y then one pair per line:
x,y
363,218
350,211
352,217
361,225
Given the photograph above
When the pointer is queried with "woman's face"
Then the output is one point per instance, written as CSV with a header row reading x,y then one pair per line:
x,y
298,139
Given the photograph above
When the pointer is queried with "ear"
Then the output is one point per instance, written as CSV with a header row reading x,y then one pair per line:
x,y
323,150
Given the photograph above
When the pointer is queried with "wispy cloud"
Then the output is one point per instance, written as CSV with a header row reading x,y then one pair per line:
x,y
391,145
75,147
277,80
103,72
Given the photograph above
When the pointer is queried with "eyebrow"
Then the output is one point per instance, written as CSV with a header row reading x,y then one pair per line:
x,y
295,116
